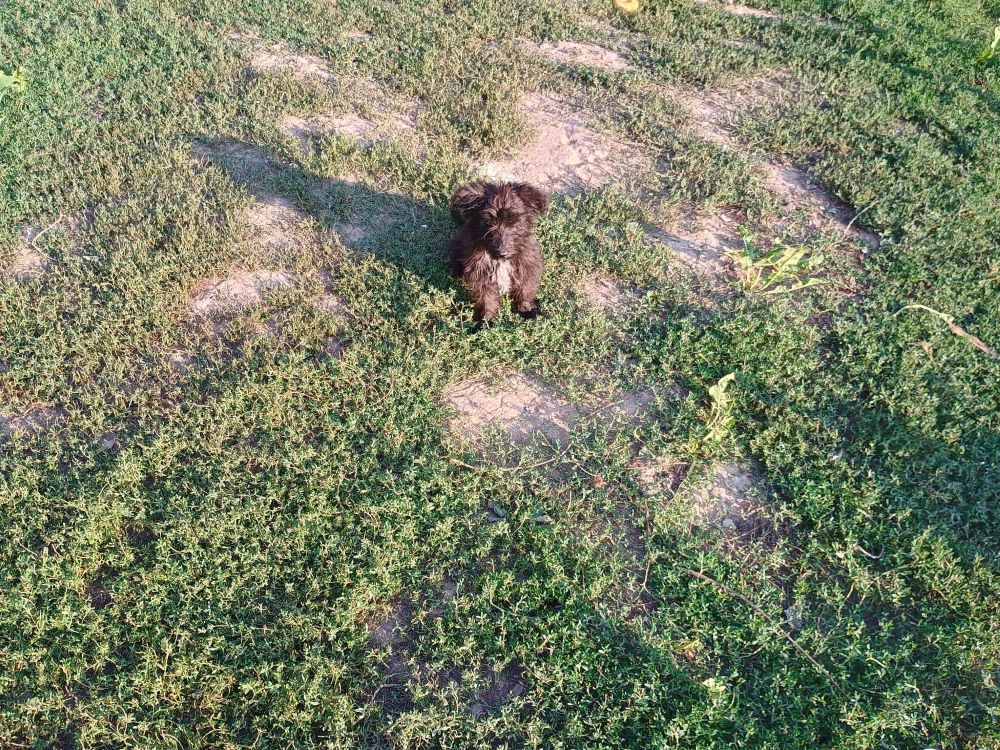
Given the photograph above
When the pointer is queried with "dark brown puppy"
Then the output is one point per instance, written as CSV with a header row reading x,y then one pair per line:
x,y
495,250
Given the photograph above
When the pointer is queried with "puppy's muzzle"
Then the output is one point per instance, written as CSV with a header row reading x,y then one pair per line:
x,y
497,247
499,250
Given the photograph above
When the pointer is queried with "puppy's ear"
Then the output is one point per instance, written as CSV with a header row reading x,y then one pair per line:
x,y
467,200
534,198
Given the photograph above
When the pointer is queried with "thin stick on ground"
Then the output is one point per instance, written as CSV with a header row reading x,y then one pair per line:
x,y
955,328
859,214
38,236
518,467
736,594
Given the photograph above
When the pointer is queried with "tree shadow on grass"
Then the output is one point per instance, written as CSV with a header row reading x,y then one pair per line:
x,y
408,233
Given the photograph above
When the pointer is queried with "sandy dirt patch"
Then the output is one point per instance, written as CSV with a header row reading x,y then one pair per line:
x,y
802,198
660,476
29,261
394,630
180,363
395,636
579,53
524,408
237,291
710,113
392,636
702,244
271,220
332,304
608,294
357,233
274,221
244,163
304,129
518,404
35,421
362,129
731,498
566,154
270,58
805,197
378,219
739,9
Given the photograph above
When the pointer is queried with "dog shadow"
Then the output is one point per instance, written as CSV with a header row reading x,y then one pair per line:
x,y
410,234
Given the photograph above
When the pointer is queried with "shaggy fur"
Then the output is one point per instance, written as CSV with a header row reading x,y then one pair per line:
x,y
494,250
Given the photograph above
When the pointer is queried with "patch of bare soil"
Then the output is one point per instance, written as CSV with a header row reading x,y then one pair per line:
x,y
393,635
237,291
702,244
371,213
35,421
362,129
269,58
803,196
710,112
567,155
579,53
29,261
506,685
439,602
348,124
732,499
659,477
519,405
276,222
371,113
524,408
180,363
356,234
273,221
742,43
739,9
631,595
608,294
394,630
98,595
373,219
332,304
629,408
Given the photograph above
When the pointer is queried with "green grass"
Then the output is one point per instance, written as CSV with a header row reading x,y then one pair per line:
x,y
212,579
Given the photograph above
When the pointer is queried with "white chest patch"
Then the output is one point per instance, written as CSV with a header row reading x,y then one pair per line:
x,y
504,272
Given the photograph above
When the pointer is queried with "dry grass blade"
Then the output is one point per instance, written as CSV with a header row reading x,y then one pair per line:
x,y
974,340
956,329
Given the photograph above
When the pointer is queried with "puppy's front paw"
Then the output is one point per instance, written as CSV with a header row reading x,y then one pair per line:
x,y
532,312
